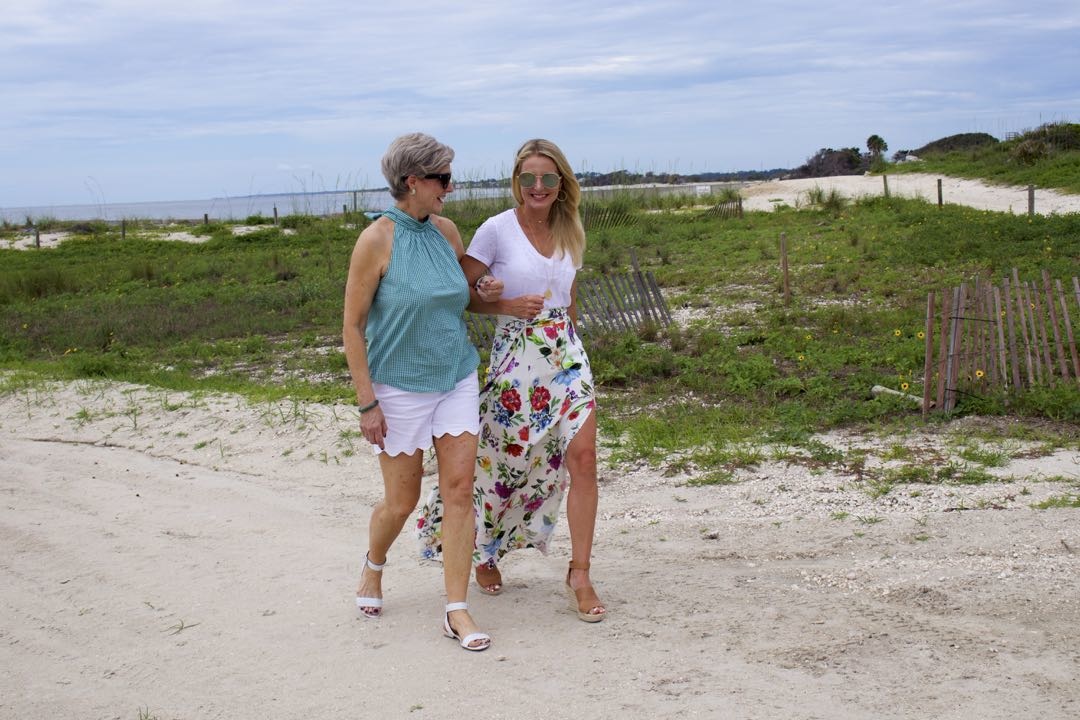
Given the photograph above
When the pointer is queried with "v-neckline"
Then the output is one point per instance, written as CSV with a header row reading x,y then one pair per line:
x,y
524,234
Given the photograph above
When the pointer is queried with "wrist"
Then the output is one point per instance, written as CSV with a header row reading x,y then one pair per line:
x,y
370,406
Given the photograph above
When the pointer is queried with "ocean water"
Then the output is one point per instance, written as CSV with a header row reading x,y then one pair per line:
x,y
240,207
235,208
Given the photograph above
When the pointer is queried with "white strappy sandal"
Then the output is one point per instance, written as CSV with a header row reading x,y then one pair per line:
x,y
467,641
370,607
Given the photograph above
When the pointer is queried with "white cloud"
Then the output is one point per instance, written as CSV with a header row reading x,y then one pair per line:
x,y
184,92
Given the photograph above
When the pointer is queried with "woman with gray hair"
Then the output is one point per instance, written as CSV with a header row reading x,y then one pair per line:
x,y
414,368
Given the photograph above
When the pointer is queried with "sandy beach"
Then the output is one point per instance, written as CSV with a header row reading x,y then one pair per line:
x,y
171,556
957,191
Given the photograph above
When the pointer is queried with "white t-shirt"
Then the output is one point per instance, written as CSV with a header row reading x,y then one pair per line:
x,y
500,243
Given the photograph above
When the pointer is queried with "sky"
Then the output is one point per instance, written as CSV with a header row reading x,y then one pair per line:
x,y
116,101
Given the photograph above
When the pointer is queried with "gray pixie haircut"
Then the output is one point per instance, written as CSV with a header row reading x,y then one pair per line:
x,y
413,154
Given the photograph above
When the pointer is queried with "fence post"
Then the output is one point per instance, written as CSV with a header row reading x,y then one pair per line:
x,y
952,365
1069,339
784,268
206,218
354,208
1031,199
275,215
940,198
928,362
639,287
885,180
37,237
1059,346
123,229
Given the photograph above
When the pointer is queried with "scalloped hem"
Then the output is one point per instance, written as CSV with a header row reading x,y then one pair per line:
x,y
409,451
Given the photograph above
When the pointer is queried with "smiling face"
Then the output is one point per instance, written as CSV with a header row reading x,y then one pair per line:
x,y
430,193
539,197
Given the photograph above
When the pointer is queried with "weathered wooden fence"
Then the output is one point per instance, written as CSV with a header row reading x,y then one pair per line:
x,y
728,208
616,302
598,217
991,337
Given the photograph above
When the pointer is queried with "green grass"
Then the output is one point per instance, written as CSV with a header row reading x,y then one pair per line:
x,y
1058,501
1046,157
260,315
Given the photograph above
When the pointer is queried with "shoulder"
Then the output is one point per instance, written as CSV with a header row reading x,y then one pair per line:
x,y
506,217
498,224
377,238
446,226
449,231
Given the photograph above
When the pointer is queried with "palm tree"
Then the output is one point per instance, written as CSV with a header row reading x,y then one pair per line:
x,y
876,145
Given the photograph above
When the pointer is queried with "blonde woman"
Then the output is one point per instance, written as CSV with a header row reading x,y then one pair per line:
x,y
537,420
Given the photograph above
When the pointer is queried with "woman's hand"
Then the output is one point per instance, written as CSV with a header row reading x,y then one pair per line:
x,y
489,288
373,426
525,307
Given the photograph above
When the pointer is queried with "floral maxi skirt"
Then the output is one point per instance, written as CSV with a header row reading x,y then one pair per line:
x,y
537,395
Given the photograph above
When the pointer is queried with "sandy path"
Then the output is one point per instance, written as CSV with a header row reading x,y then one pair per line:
x,y
972,193
195,557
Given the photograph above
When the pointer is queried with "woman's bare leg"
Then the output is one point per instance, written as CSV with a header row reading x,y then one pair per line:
x,y
401,482
457,462
582,500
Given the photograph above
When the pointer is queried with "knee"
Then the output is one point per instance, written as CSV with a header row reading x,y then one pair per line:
x,y
401,508
581,459
456,490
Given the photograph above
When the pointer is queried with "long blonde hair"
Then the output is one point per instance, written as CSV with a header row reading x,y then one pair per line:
x,y
566,228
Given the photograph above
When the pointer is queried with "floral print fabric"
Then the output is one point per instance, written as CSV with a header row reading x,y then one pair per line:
x,y
537,394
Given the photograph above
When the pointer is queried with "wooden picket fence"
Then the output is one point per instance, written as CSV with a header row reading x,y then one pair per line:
x,y
728,208
1000,337
599,217
615,303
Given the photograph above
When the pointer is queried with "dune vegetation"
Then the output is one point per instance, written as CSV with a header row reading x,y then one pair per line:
x,y
260,313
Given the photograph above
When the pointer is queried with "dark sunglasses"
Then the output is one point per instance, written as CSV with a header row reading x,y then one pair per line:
x,y
548,180
443,178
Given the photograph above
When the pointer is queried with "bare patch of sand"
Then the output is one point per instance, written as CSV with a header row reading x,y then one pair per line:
x,y
971,193
196,556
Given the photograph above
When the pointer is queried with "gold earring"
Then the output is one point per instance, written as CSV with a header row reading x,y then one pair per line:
x,y
561,197
412,191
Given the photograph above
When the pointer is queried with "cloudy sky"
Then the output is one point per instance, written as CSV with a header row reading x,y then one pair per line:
x,y
136,100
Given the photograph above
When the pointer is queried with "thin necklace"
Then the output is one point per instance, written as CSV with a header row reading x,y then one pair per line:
x,y
549,269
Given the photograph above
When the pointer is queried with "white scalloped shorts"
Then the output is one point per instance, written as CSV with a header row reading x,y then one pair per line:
x,y
413,419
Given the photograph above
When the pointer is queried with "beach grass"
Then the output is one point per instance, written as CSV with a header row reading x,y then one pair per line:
x,y
260,314
1045,157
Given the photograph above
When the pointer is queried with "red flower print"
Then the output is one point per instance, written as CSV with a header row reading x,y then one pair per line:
x,y
565,405
573,415
540,398
551,331
514,449
511,400
523,434
420,524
